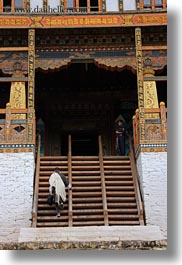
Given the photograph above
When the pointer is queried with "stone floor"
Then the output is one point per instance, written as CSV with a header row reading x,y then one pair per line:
x,y
112,237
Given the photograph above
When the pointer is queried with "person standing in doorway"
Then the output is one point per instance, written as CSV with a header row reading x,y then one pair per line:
x,y
120,132
58,182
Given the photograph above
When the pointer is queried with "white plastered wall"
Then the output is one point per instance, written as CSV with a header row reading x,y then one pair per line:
x,y
152,169
16,184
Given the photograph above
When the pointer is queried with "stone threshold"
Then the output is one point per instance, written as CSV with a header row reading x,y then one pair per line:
x,y
97,237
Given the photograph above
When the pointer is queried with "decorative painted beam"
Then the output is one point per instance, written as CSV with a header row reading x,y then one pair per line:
x,y
139,63
10,49
13,79
155,78
77,21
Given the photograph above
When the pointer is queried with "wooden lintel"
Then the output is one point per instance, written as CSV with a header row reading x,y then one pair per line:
x,y
155,78
152,48
13,79
17,111
7,49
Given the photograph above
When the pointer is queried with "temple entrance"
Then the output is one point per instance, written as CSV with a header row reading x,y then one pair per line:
x,y
84,143
83,100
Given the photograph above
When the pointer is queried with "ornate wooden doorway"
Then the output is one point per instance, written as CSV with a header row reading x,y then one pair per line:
x,y
84,101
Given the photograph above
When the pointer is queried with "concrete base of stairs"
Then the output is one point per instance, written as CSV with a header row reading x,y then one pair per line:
x,y
112,237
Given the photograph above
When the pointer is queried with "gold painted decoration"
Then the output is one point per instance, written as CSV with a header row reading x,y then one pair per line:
x,y
35,20
81,21
150,91
18,99
17,93
150,98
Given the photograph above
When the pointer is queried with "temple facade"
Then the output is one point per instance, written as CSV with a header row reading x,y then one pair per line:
x,y
68,70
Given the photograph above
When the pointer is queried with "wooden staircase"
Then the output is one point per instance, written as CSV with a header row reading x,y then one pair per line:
x,y
104,192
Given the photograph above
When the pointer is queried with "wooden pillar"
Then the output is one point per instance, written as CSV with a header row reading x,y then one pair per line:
x,y
77,3
1,6
163,121
100,5
45,4
8,122
120,5
88,6
31,78
70,206
104,196
164,4
65,3
153,4
24,4
103,5
28,4
12,5
141,4
139,62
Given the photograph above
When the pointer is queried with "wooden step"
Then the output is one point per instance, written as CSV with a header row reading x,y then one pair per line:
x,y
53,158
87,194
85,168
117,167
114,162
88,206
89,223
85,158
85,162
123,222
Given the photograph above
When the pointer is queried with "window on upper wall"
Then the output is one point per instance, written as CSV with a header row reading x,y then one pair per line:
x,y
53,4
129,4
158,3
18,3
7,5
147,3
36,5
83,4
71,3
112,5
94,5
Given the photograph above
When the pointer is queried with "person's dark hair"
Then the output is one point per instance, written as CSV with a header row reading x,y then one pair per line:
x,y
56,169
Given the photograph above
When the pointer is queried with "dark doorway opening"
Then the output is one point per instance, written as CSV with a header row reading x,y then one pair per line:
x,y
83,143
83,100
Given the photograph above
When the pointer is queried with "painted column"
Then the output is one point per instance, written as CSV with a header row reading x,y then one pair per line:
x,y
31,78
139,62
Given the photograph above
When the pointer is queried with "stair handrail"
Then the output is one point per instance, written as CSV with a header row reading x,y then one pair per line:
x,y
70,207
136,183
104,197
36,184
